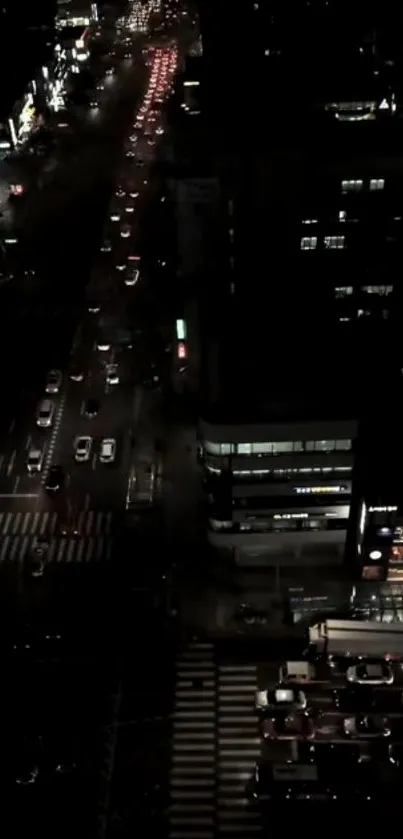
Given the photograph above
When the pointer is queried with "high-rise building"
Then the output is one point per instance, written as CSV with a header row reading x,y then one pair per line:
x,y
303,321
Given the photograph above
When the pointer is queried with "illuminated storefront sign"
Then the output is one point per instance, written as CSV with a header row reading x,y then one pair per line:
x,y
382,509
318,490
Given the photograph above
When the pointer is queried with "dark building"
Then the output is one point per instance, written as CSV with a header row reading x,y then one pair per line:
x,y
304,316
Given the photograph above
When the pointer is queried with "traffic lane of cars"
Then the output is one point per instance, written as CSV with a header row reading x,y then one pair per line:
x,y
32,434
79,172
93,480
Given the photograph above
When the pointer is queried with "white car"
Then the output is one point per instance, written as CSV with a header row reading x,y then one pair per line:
x,y
34,460
370,673
132,276
53,381
44,414
283,697
112,375
125,231
82,449
108,450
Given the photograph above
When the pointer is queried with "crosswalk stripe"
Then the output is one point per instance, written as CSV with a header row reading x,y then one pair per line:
x,y
61,550
90,524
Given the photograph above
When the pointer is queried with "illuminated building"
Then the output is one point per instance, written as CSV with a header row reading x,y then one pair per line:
x,y
75,13
278,436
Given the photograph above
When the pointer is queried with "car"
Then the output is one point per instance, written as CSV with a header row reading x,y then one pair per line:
x,y
76,373
366,727
112,375
108,450
45,413
125,231
55,479
103,345
106,246
82,449
120,192
288,726
69,526
34,460
94,307
282,697
130,154
370,673
132,276
91,408
53,381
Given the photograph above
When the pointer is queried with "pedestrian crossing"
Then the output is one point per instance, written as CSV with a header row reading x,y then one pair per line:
x,y
238,750
92,543
215,745
87,522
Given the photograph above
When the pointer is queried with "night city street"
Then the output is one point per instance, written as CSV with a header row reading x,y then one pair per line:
x,y
201,549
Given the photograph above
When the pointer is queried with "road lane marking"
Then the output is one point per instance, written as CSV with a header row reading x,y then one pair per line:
x,y
94,462
28,442
11,426
16,485
11,463
54,435
19,494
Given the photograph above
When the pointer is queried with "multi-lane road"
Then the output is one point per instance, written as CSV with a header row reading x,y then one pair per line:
x,y
52,301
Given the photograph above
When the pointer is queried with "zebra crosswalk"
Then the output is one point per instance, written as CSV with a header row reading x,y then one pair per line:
x,y
87,522
215,745
93,542
238,749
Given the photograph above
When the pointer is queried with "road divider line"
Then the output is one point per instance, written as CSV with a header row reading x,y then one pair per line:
x,y
53,439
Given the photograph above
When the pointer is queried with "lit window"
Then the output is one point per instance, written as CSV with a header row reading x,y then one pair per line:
x,y
343,291
334,243
283,447
352,186
382,290
226,448
308,243
244,448
262,448
376,184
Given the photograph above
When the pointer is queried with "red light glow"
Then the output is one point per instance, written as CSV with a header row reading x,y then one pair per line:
x,y
182,352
